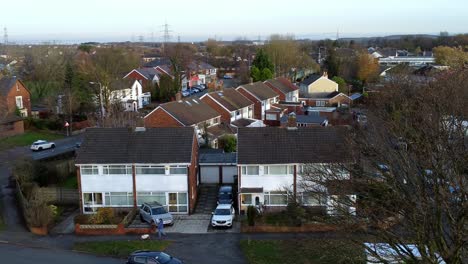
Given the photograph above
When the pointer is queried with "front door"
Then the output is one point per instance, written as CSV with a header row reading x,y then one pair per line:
x,y
172,202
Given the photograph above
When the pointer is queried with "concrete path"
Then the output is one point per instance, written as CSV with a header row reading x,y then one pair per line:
x,y
67,226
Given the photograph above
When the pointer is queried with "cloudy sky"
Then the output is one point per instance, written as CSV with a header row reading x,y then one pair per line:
x,y
121,20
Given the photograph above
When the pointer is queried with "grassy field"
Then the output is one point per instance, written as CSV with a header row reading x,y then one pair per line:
x,y
302,251
120,249
26,139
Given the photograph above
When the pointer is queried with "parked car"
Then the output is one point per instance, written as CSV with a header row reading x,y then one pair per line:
x,y
195,89
185,93
152,212
225,195
151,257
223,215
42,144
227,77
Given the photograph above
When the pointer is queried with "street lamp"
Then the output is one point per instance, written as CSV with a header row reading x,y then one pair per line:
x,y
100,97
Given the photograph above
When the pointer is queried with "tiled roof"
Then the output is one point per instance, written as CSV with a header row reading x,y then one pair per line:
x,y
283,84
274,145
5,85
259,90
158,62
9,118
149,73
312,78
219,130
231,99
243,122
190,111
124,145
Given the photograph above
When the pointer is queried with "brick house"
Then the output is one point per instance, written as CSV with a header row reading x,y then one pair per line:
x,y
333,99
123,168
287,91
14,96
262,96
230,104
271,162
185,113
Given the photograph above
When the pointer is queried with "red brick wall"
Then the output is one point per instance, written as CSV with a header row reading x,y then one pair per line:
x,y
192,176
340,99
257,104
160,118
225,115
18,128
282,96
11,97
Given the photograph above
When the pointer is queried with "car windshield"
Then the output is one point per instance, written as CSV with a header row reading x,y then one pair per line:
x,y
224,196
158,211
163,258
38,143
222,212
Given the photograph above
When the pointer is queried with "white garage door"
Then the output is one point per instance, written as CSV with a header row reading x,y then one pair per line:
x,y
228,174
209,174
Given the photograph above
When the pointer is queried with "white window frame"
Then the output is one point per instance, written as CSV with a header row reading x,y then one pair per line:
x,y
178,167
267,196
19,101
289,170
244,170
128,195
128,169
141,167
92,205
94,169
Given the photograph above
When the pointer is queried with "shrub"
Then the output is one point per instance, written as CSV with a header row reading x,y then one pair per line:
x,y
103,216
251,215
296,213
228,143
37,213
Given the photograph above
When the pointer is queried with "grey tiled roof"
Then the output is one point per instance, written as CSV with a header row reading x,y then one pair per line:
x,y
5,85
260,90
282,84
190,111
312,78
305,119
231,99
124,145
274,145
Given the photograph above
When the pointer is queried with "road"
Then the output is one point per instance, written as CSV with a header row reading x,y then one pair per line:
x,y
61,146
20,255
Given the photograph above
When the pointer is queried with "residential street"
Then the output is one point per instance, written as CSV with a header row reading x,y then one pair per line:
x,y
20,255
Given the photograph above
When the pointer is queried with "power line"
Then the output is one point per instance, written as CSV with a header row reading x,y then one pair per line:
x,y
166,34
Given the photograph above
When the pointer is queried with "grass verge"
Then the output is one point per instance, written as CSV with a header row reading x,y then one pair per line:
x,y
120,249
27,138
302,251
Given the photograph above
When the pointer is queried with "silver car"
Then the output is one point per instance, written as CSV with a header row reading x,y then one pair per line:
x,y
152,212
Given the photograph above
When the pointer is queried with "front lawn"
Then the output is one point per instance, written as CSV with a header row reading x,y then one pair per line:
x,y
120,249
27,138
302,251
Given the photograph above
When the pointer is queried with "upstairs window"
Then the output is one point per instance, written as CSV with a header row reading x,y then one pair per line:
x,y
250,170
19,102
157,170
117,169
181,170
89,170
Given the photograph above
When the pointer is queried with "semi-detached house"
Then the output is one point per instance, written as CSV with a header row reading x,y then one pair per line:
x,y
271,162
263,97
122,168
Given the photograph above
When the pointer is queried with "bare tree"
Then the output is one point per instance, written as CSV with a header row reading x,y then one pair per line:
x,y
409,171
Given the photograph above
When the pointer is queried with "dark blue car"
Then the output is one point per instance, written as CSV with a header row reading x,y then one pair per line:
x,y
151,257
225,195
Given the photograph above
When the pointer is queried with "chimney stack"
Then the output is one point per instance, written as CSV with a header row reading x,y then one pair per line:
x,y
292,123
325,74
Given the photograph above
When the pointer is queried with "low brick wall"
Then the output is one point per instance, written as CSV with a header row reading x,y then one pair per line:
x,y
119,229
288,229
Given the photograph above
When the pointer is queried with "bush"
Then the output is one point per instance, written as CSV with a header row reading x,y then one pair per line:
x,y
103,216
251,215
228,143
37,213
296,213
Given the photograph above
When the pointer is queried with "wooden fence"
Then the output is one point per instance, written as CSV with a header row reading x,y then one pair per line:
x,y
59,195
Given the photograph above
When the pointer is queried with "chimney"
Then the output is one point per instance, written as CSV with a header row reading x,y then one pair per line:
x,y
325,74
292,123
178,96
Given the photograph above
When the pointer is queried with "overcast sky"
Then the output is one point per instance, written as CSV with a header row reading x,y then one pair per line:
x,y
110,20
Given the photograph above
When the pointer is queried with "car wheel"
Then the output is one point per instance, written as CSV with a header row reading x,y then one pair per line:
x,y
53,146
141,218
39,149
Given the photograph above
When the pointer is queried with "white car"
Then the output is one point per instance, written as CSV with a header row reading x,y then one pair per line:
x,y
223,215
42,144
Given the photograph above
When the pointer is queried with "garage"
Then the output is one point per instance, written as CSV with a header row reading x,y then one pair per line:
x,y
217,167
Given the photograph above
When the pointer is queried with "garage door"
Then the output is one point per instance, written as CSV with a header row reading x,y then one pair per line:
x,y
209,174
228,174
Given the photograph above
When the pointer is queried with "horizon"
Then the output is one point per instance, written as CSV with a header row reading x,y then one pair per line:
x,y
113,21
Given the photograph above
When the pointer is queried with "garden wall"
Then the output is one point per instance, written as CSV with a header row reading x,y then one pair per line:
x,y
118,229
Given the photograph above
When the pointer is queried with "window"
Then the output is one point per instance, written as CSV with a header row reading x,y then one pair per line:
x,y
149,197
89,170
276,198
158,170
320,103
178,202
141,260
311,199
250,170
182,170
238,112
276,170
119,199
19,102
246,198
271,117
117,169
92,200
